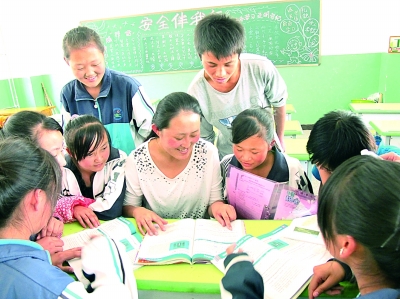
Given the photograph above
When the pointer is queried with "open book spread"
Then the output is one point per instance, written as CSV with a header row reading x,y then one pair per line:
x,y
305,229
255,197
188,241
119,229
286,265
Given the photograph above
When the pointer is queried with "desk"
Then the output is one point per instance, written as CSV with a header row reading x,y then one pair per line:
x,y
297,148
191,281
289,111
376,111
386,128
5,113
292,128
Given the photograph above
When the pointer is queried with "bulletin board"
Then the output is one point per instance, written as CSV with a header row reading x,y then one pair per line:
x,y
287,33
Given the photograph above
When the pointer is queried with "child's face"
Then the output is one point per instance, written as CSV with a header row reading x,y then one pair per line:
x,y
97,158
87,65
223,71
182,133
52,141
252,152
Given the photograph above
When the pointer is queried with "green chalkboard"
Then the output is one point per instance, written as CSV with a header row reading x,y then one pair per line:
x,y
285,32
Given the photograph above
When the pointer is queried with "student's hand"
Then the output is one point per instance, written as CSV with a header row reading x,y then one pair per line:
x,y
326,279
59,258
51,244
144,220
86,216
390,157
223,213
54,228
231,249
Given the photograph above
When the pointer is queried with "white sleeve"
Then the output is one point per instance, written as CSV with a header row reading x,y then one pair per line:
x,y
134,193
115,183
65,116
142,114
275,88
110,270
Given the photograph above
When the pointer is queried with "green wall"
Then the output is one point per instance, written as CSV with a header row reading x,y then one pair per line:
x,y
29,91
313,90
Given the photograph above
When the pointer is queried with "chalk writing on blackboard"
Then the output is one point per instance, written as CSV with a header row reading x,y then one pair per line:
x,y
285,32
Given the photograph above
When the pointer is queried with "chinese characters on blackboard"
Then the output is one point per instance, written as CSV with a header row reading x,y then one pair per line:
x,y
285,33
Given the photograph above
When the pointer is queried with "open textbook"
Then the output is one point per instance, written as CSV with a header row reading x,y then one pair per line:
x,y
188,241
119,229
255,197
286,265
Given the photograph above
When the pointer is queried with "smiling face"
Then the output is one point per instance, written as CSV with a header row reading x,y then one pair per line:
x,y
97,158
182,133
87,65
252,153
52,141
221,72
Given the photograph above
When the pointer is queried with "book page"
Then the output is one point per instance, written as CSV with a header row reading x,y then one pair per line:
x,y
170,246
305,229
116,229
290,272
285,265
249,194
132,245
119,229
211,238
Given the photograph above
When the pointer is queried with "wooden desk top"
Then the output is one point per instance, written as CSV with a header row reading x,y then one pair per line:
x,y
386,127
375,108
292,127
46,110
296,148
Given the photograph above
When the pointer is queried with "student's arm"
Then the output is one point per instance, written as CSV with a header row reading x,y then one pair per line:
x,y
222,212
276,95
114,190
241,280
207,130
65,114
64,209
133,202
327,277
142,115
280,118
109,270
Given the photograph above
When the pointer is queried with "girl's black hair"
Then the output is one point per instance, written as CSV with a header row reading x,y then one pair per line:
x,y
362,199
25,167
170,106
250,122
80,37
83,132
28,125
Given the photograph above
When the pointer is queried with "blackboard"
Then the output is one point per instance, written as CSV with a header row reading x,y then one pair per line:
x,y
288,33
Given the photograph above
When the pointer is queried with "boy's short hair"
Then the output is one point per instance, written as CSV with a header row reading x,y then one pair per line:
x,y
80,37
336,137
219,34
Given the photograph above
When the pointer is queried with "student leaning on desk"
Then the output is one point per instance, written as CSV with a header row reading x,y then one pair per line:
x,y
26,205
351,204
232,81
